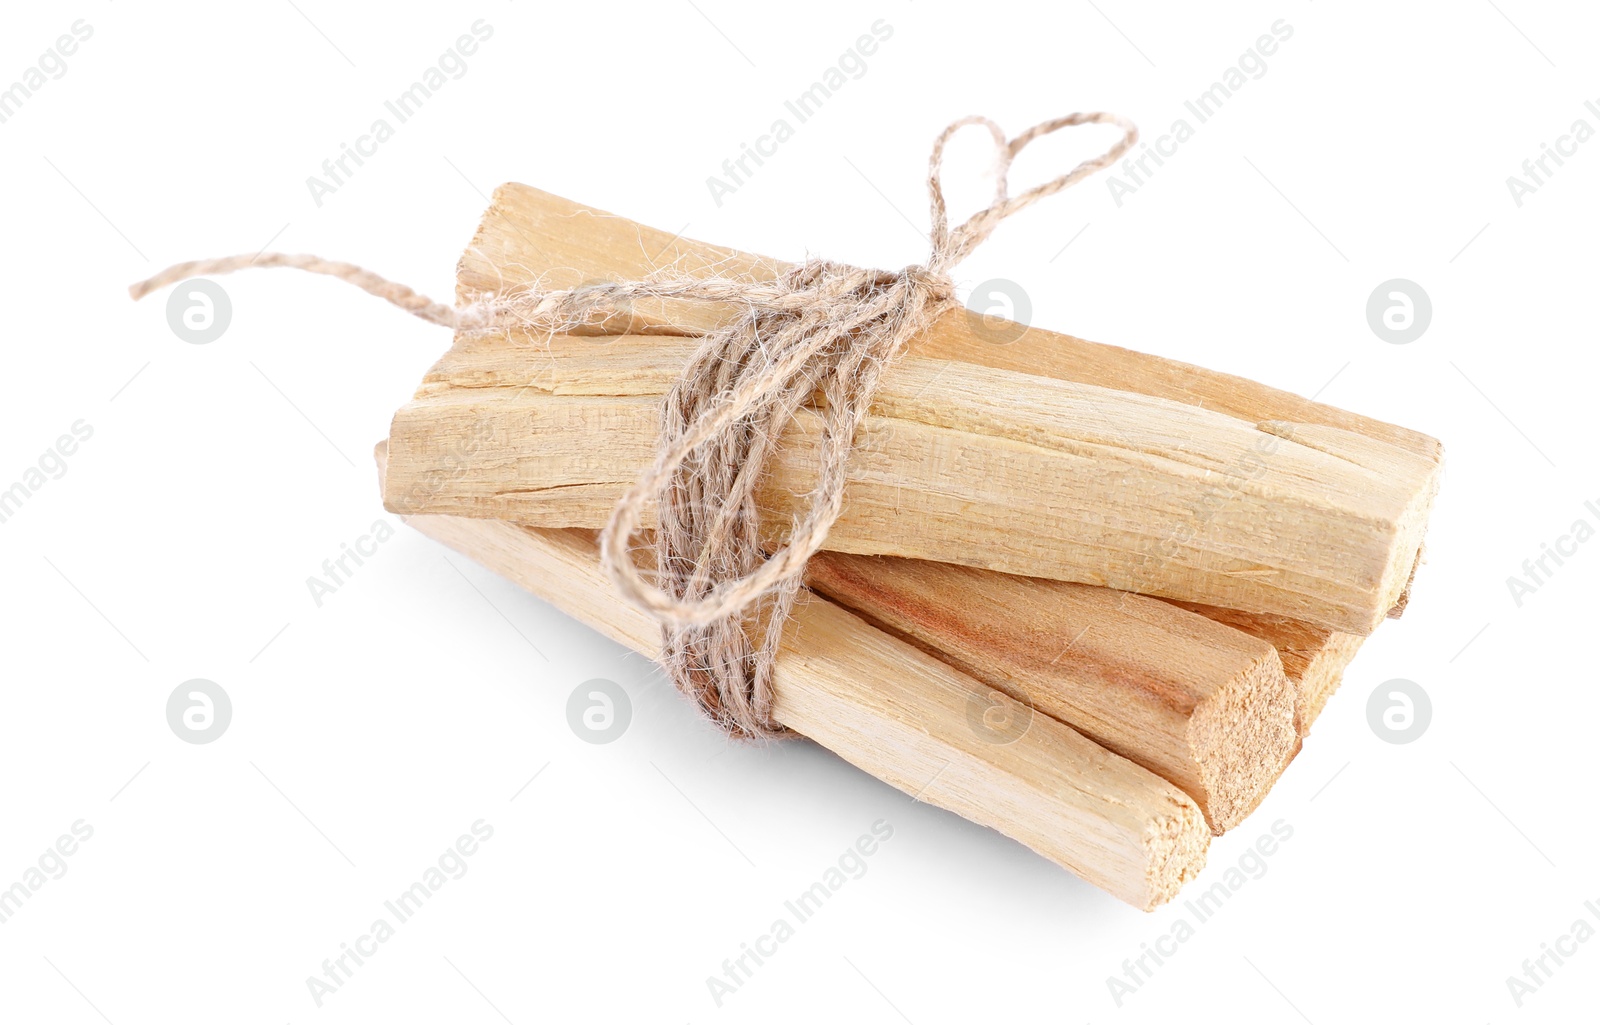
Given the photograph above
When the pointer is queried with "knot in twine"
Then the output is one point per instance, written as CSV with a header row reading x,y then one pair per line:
x,y
823,329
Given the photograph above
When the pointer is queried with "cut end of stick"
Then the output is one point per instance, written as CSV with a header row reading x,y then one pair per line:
x,y
1243,736
1175,849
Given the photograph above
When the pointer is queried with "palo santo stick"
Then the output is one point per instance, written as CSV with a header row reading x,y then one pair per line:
x,y
906,718
529,236
1313,658
1200,704
958,463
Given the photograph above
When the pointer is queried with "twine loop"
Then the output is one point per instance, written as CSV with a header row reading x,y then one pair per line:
x,y
806,351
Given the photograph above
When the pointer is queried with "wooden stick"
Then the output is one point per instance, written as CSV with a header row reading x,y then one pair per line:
x,y
530,236
908,719
958,463
1200,704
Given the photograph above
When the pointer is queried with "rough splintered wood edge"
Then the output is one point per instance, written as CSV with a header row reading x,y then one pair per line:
x,y
1321,678
521,217
903,716
1398,609
1201,704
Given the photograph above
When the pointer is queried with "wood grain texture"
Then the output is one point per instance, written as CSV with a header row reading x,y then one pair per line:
x,y
906,718
1202,705
957,463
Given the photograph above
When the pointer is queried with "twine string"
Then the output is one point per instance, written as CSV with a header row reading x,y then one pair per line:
x,y
722,587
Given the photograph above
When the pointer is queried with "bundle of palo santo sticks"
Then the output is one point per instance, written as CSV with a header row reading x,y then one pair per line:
x,y
1091,598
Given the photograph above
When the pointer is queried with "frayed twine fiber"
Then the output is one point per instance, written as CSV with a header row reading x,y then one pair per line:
x,y
824,327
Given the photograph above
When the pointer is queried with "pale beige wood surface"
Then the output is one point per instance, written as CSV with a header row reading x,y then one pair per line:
x,y
908,719
958,463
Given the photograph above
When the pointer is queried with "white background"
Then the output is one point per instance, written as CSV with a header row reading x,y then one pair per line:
x,y
370,732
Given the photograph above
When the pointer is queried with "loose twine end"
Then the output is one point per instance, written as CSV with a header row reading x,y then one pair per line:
x,y
400,295
721,596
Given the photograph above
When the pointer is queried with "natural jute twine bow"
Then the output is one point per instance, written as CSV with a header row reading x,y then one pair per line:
x,y
823,328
